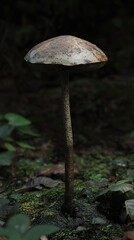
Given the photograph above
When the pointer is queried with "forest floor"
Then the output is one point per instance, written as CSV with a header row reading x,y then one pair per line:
x,y
103,126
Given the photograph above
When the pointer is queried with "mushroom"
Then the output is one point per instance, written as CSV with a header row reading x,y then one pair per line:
x,y
66,53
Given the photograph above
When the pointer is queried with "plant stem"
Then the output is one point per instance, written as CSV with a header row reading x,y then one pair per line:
x,y
68,138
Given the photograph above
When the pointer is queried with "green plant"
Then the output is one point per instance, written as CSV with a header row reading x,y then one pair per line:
x,y
13,127
122,186
18,228
119,196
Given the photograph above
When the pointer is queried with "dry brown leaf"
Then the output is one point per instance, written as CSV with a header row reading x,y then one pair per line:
x,y
3,238
57,170
129,235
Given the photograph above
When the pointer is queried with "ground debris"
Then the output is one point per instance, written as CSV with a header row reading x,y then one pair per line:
x,y
129,235
39,182
56,171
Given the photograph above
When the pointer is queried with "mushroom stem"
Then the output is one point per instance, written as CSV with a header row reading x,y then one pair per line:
x,y
68,144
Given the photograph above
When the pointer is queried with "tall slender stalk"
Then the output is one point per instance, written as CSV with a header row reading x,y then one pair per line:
x,y
68,145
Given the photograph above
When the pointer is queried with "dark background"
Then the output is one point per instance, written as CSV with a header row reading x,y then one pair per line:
x,y
102,101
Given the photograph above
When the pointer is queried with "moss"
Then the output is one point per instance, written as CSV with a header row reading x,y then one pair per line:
x,y
79,185
94,165
48,213
30,209
39,204
108,232
30,197
54,194
29,204
65,235
102,233
99,232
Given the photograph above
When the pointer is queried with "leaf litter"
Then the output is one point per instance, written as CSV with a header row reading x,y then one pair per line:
x,y
39,182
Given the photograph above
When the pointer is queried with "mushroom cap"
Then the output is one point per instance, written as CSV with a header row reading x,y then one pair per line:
x,y
66,50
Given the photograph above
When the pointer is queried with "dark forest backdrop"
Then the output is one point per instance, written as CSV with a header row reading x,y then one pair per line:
x,y
102,102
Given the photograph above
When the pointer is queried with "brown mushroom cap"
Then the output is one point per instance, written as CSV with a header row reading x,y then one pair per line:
x,y
66,51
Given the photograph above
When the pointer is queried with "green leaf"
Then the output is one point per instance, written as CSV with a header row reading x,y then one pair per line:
x,y
19,223
16,120
122,187
25,145
37,231
6,158
103,192
3,231
130,174
5,130
28,130
10,147
11,234
3,201
130,208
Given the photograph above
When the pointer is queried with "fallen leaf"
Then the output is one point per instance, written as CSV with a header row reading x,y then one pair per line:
x,y
129,235
3,238
57,171
38,182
